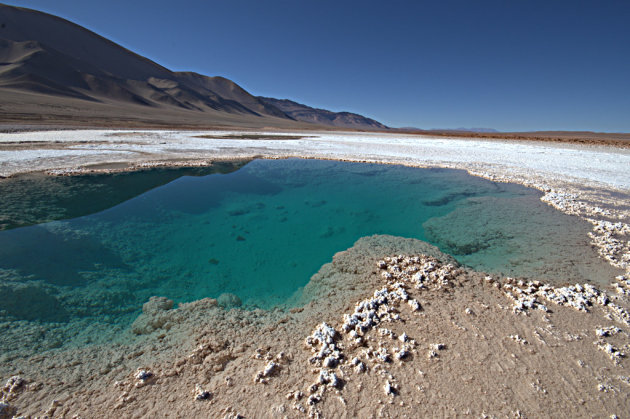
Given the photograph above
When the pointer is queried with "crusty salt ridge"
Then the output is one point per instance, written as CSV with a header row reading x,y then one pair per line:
x,y
467,351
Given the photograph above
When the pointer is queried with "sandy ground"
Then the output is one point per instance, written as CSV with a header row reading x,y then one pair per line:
x,y
390,328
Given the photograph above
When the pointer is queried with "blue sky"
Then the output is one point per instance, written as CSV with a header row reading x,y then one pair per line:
x,y
510,65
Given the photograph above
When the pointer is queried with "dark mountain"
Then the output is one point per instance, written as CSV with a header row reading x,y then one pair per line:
x,y
305,113
51,69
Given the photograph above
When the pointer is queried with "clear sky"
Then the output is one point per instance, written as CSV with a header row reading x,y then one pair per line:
x,y
510,65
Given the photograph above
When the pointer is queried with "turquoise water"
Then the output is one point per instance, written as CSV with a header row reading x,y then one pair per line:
x,y
259,232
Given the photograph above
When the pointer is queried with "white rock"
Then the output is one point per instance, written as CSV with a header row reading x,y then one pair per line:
x,y
143,375
201,394
415,305
389,388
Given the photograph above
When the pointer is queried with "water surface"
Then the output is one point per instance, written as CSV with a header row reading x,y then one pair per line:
x,y
259,232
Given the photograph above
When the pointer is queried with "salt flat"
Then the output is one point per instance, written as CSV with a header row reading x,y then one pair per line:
x,y
603,166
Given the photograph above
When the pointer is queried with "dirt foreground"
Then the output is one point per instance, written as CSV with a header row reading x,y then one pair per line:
x,y
405,335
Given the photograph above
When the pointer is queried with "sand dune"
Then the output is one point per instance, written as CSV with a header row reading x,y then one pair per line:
x,y
63,66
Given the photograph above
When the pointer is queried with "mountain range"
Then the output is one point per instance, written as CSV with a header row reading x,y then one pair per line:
x,y
52,70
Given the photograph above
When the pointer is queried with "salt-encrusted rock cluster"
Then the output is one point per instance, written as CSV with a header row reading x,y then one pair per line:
x,y
604,332
433,350
8,392
201,394
518,339
327,355
271,368
401,275
613,352
622,286
611,241
143,377
527,295
567,202
524,298
323,344
12,387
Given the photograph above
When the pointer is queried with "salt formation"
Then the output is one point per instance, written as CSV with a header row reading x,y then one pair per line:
x,y
518,339
143,377
401,274
613,352
13,385
11,389
607,331
606,236
322,343
526,294
438,346
390,389
622,286
328,377
270,369
201,394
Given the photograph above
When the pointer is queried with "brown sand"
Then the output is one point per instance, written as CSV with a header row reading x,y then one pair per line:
x,y
470,352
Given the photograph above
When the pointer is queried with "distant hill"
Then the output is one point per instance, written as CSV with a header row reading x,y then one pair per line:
x,y
305,113
52,69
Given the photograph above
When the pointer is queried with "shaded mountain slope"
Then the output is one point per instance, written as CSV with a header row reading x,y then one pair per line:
x,y
61,67
321,116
